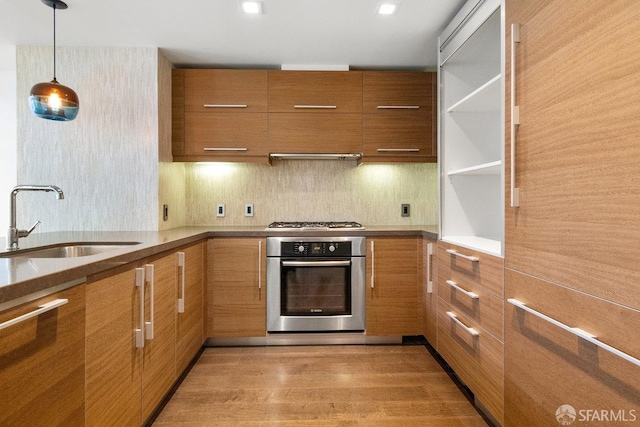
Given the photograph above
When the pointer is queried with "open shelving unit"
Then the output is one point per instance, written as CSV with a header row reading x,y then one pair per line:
x,y
471,131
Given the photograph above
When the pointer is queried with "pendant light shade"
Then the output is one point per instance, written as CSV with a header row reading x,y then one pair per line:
x,y
51,100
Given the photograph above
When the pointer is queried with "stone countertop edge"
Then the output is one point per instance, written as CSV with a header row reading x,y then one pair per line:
x,y
24,279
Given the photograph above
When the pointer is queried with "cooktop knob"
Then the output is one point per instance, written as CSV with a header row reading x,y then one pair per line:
x,y
332,248
300,248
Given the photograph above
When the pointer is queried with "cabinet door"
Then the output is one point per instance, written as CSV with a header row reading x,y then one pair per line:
x,y
159,352
577,146
307,92
393,290
238,287
42,363
430,291
388,92
113,362
225,90
189,321
547,367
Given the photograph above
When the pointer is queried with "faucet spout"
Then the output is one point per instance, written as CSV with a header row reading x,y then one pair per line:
x,y
13,234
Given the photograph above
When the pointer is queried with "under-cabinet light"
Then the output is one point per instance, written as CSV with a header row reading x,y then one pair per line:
x,y
252,7
387,8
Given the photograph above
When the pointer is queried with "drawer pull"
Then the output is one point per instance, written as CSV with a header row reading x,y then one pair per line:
x,y
398,150
225,105
454,285
224,149
41,309
321,107
471,331
575,331
398,107
456,253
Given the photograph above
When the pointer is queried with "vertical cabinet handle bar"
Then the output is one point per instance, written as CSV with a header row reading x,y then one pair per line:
x,y
467,257
41,309
429,255
260,264
139,333
515,115
150,279
183,279
575,331
454,285
373,265
471,331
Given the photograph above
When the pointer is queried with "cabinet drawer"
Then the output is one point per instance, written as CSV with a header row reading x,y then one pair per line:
x,y
485,273
398,135
389,92
209,134
327,91
477,360
474,302
225,90
547,366
315,133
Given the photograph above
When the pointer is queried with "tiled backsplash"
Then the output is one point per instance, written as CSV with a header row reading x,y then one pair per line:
x,y
298,190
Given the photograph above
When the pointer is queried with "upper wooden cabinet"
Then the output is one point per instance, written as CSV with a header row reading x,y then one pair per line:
x,y
219,115
399,116
315,91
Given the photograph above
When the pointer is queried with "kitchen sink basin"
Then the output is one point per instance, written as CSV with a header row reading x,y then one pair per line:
x,y
68,250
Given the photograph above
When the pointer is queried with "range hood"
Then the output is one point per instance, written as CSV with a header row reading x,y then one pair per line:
x,y
315,156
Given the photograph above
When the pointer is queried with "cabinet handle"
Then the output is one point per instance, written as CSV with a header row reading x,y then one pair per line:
x,y
471,331
373,265
575,331
429,255
398,107
150,279
139,333
515,115
454,285
41,309
225,105
225,149
322,107
398,150
316,263
456,253
183,280
260,264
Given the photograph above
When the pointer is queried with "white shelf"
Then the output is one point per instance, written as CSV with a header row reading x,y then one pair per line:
x,y
491,168
488,246
486,98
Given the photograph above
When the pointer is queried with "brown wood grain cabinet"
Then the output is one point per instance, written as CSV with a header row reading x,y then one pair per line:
x,y
219,115
569,245
42,362
430,291
393,288
236,289
399,116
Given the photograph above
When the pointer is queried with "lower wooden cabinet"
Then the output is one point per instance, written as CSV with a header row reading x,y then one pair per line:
x,y
553,375
237,287
42,362
393,293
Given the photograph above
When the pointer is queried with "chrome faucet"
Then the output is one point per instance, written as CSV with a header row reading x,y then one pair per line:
x,y
13,234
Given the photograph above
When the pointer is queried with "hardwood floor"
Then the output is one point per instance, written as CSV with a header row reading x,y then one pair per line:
x,y
318,386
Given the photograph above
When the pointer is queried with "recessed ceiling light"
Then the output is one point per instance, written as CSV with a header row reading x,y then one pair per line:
x,y
252,7
387,8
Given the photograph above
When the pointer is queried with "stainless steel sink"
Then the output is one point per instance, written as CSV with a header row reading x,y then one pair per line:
x,y
68,250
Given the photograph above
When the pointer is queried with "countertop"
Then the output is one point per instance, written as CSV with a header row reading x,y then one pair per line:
x,y
23,279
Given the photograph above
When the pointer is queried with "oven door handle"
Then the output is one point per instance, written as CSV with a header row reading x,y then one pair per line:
x,y
316,263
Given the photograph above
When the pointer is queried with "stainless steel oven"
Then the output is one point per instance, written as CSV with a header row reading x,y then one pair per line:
x,y
315,284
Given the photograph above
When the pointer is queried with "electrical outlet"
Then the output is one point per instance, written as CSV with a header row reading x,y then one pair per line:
x,y
248,209
406,209
165,212
220,210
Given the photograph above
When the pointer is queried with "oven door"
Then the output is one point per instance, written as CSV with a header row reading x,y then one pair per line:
x,y
315,294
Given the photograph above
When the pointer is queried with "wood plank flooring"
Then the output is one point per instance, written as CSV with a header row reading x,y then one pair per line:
x,y
318,386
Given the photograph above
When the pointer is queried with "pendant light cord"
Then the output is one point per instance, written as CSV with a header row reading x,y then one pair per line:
x,y
54,43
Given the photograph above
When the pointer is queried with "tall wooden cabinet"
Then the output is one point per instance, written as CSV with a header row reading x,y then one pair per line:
x,y
571,252
42,361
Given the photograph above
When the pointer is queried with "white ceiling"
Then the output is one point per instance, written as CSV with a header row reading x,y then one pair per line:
x,y
217,33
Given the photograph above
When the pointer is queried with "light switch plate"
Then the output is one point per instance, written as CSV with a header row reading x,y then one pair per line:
x,y
248,209
406,210
220,210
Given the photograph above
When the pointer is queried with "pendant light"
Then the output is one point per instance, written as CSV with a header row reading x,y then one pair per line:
x,y
51,100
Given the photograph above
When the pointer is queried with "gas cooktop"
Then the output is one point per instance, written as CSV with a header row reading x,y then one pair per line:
x,y
314,226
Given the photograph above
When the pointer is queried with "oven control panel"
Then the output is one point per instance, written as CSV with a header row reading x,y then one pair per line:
x,y
311,249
